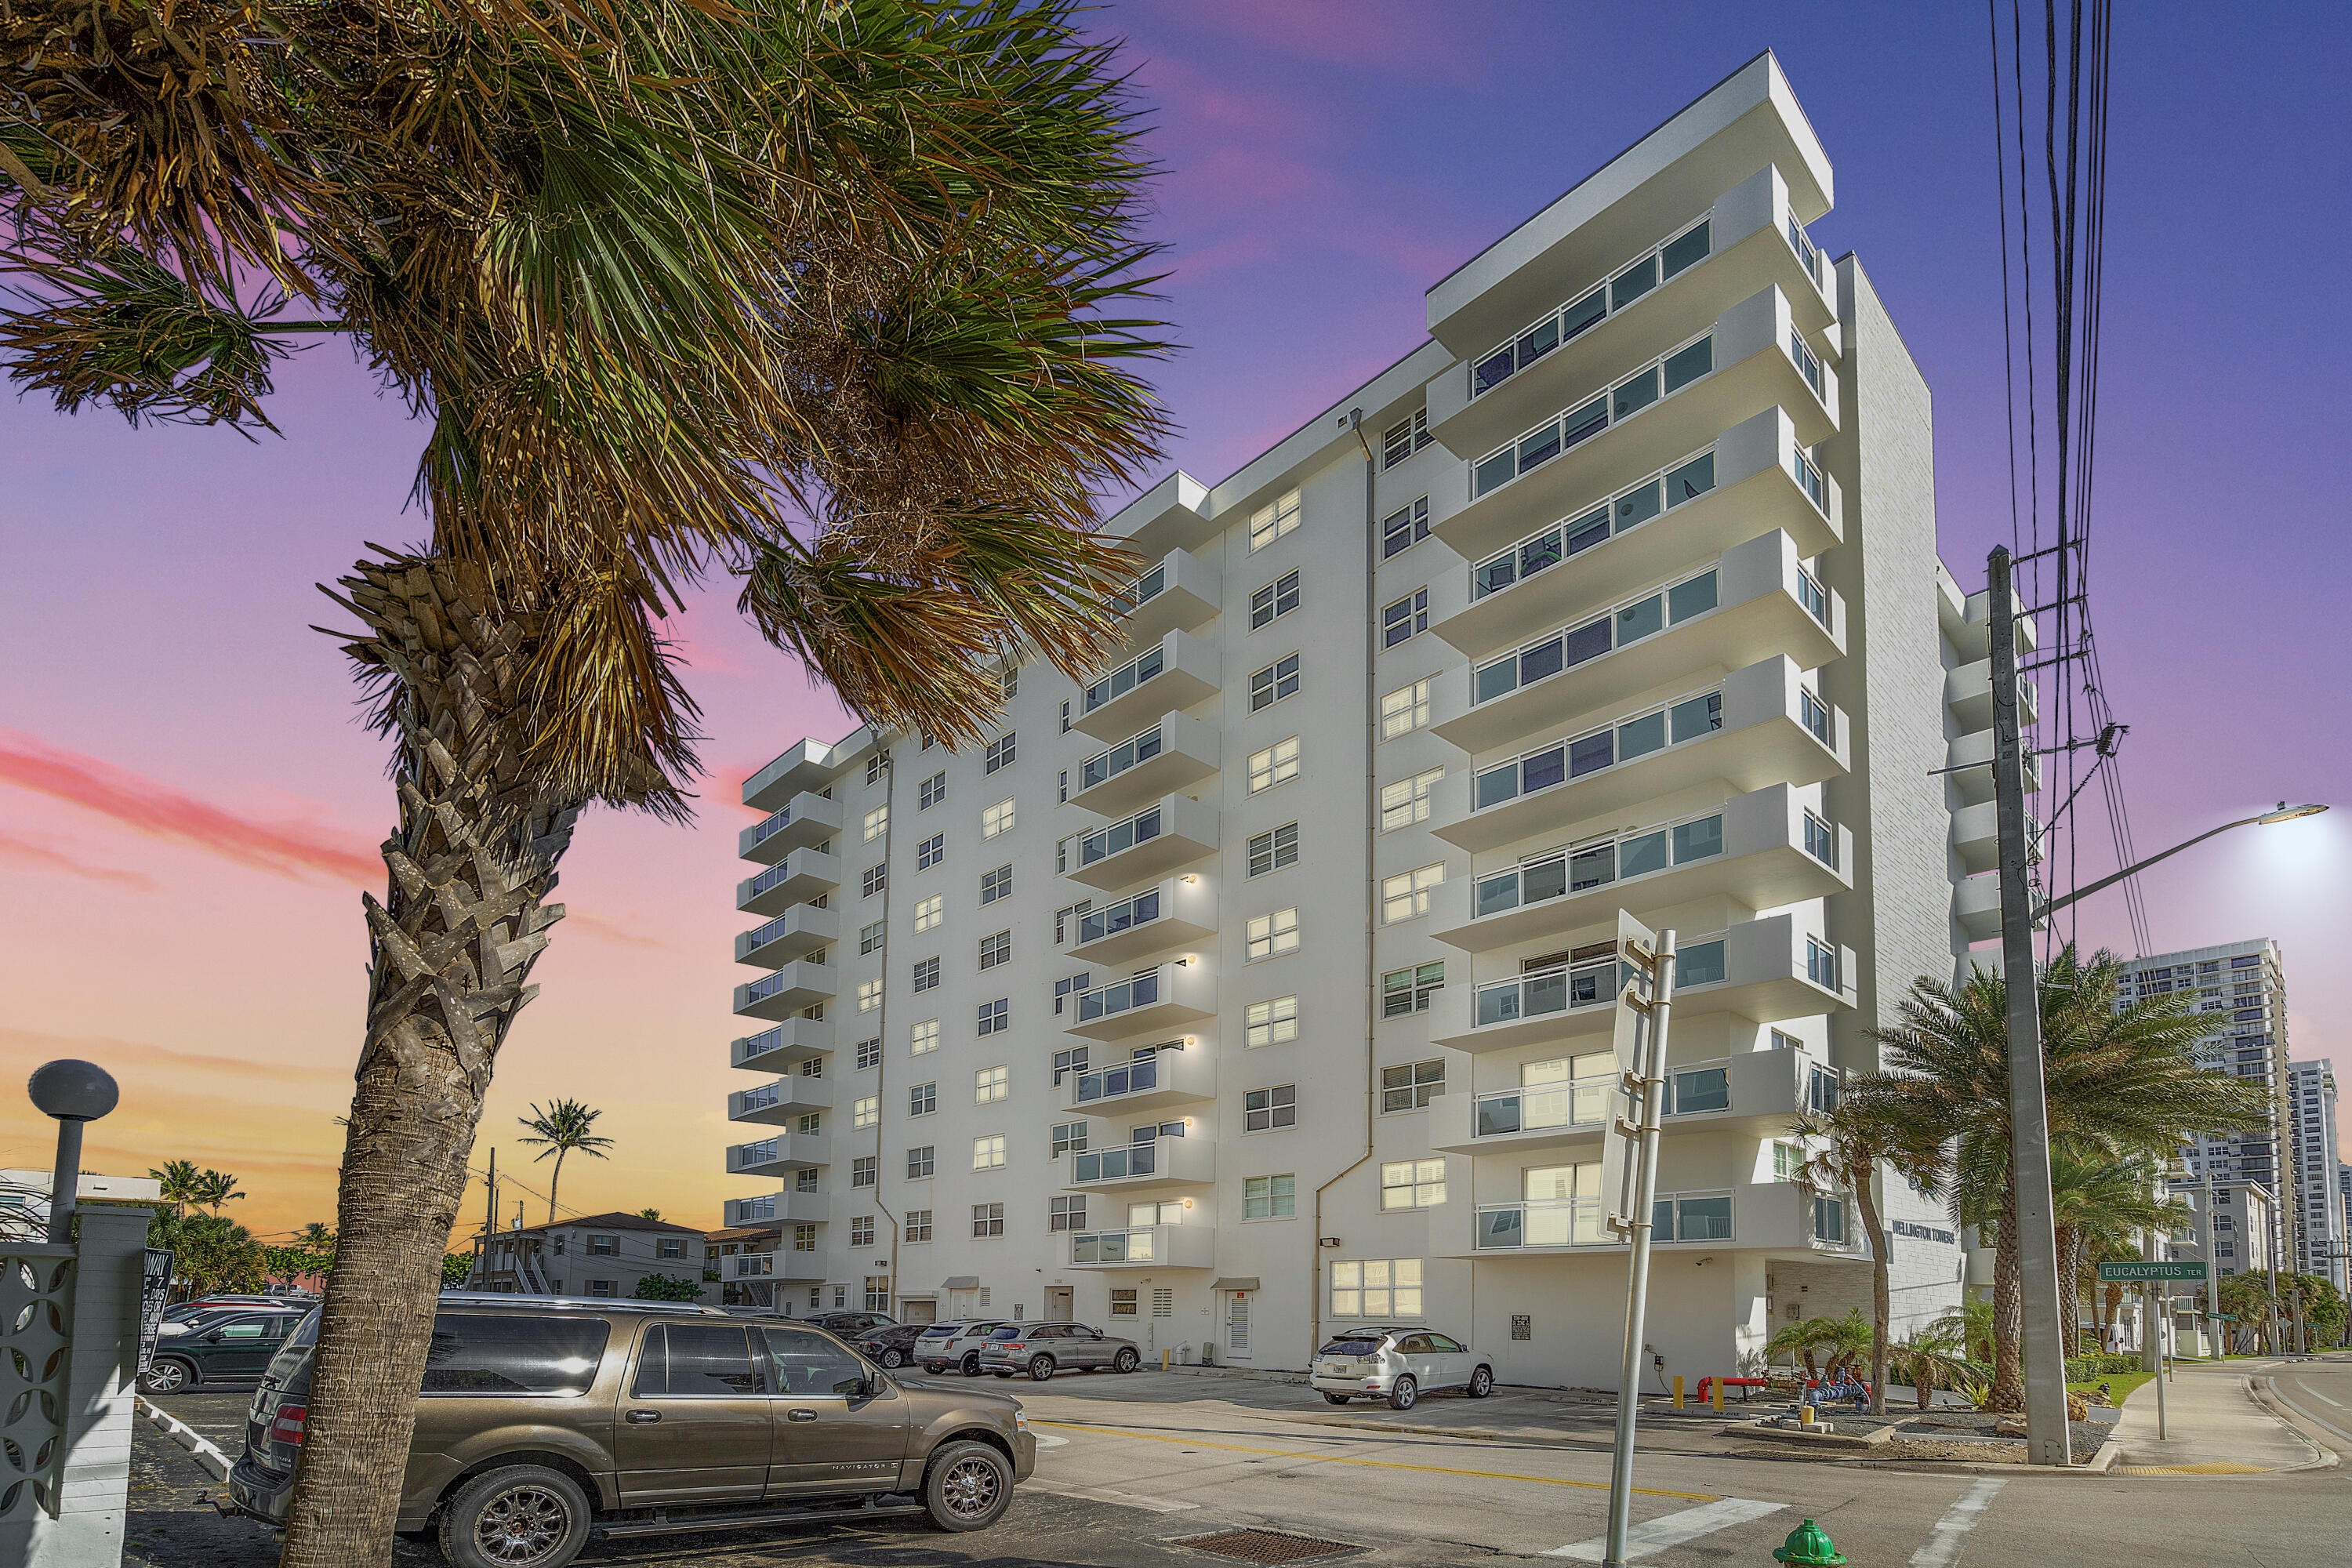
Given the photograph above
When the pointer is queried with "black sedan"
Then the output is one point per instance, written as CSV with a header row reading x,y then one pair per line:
x,y
892,1345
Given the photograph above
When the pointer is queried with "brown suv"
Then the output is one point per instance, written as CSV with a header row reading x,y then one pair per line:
x,y
541,1424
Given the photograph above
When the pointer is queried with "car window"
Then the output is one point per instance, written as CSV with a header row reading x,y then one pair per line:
x,y
243,1329
1415,1344
805,1363
1352,1346
1450,1347
495,1355
696,1361
1007,1332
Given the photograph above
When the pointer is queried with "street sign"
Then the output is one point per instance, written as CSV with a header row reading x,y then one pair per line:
x,y
154,1295
2132,1273
1637,946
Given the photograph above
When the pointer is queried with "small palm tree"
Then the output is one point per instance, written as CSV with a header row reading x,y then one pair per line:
x,y
214,1188
1847,1146
182,1182
649,1214
563,1126
1971,1324
1805,1340
318,1236
1934,1357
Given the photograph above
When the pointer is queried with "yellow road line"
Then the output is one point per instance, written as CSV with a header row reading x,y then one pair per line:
x,y
1376,1464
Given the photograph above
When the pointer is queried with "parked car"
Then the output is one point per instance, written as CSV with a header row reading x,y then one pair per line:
x,y
231,1346
848,1325
1399,1365
1043,1349
539,1423
892,1345
945,1345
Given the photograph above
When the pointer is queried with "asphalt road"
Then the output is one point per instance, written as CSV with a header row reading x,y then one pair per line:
x,y
1145,1462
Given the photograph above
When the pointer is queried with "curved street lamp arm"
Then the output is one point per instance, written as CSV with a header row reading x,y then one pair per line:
x,y
2105,882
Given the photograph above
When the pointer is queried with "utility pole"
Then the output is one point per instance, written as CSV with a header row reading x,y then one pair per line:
x,y
1647,1075
2044,1345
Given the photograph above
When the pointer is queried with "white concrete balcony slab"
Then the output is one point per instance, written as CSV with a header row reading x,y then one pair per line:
x,y
782,1103
1157,1082
1757,727
1751,603
804,767
1172,832
1174,751
783,1152
807,818
1163,1165
1145,1247
790,1265
1168,516
1179,592
787,1207
787,991
1968,760
1163,997
804,929
1764,848
1753,477
798,877
1174,912
1968,690
1975,904
1976,837
1778,1218
1754,1094
1177,671
788,1045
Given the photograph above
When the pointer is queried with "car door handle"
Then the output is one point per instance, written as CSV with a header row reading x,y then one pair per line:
x,y
800,1414
642,1418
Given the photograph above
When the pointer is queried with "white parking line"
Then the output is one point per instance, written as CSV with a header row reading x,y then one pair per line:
x,y
1944,1542
1654,1535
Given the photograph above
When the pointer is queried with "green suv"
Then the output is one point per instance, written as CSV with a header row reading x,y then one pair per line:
x,y
227,1348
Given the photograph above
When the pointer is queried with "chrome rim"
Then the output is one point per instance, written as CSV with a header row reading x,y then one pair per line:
x,y
1126,1361
1406,1390
892,1358
1481,1381
167,1377
523,1524
969,1488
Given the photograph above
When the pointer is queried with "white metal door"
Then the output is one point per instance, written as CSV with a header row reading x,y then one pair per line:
x,y
1237,1322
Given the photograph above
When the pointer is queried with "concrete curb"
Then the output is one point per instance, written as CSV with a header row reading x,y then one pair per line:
x,y
215,1462
1884,1436
2264,1392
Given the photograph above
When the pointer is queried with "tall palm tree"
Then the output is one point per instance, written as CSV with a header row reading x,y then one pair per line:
x,y
2099,1202
182,1182
1845,1147
563,1126
214,1188
2124,1081
824,296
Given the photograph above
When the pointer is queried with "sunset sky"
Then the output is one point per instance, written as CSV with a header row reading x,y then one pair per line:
x,y
189,807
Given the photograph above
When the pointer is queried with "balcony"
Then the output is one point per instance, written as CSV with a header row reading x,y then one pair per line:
x,y
1755,477
1766,971
804,929
1144,1003
1779,1217
1155,1082
788,1045
1764,848
800,878
1145,1247
1173,832
1163,1165
1179,592
1968,760
1171,753
787,991
1968,691
1975,904
1757,727
792,1265
787,1207
807,818
1177,671
783,1102
1750,603
1174,912
1755,1093
1976,839
805,767
1166,517
775,1156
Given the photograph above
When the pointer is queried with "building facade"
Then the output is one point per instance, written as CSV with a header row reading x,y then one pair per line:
x,y
1255,985
2319,1234
600,1256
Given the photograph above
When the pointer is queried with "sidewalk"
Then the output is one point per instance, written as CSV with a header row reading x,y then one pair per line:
x,y
2217,1428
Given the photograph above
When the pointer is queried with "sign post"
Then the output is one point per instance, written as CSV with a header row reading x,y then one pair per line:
x,y
154,1295
2156,1305
1629,1173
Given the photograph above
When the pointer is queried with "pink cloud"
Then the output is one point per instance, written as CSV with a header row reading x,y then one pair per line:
x,y
34,857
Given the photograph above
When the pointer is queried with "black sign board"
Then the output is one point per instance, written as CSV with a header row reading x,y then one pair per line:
x,y
154,1295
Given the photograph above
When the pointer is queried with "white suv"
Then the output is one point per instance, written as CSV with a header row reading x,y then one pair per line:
x,y
945,1345
1399,1365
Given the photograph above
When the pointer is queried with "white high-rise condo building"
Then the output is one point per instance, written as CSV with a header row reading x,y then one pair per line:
x,y
2318,1242
1257,985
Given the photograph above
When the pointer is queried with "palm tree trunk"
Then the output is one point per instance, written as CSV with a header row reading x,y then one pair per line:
x,y
2009,1310
554,1180
1881,1302
463,923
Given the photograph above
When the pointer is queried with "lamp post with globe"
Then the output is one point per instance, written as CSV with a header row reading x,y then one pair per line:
x,y
73,1092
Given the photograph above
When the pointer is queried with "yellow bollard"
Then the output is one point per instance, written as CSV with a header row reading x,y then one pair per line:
x,y
1804,1416
1715,1393
1678,1390
1163,1360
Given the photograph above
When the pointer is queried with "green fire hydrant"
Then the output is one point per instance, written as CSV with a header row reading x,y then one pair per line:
x,y
1810,1546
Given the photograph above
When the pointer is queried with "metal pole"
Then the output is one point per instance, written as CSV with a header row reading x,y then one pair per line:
x,y
64,1183
2156,1317
1637,1289
2212,1260
2043,1346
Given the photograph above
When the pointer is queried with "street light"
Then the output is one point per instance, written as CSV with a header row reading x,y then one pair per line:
x,y
2285,813
73,1092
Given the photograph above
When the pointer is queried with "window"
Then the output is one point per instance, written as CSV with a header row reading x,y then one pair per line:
x,y
603,1246
1000,752
813,1122
1066,920
919,1162
1404,437
804,1181
1278,764
1407,801
669,1246
1411,1086
1821,841
991,1084
1066,1214
869,938
1069,1138
932,791
1062,785
1272,851
813,1067
922,1098
1788,1162
1820,964
866,1110
1270,1023
1264,1110
869,1054
862,1170
923,1036
1070,986
1009,683
1405,896
1405,527
1376,1288
988,1152
803,1238
1275,519
1072,1060
1274,934
930,911
874,764
877,823
1412,1184
1274,601
869,995
1275,682
997,819
995,950
931,851
1270,1197
1406,619
996,884
987,1219
875,875
1404,709
994,1017
926,974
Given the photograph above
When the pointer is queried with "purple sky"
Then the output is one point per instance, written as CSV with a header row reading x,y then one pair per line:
x,y
1325,162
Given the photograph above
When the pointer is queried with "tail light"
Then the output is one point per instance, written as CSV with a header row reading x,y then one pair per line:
x,y
286,1427
1015,1345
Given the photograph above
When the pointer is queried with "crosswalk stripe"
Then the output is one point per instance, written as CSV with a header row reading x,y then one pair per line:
x,y
1653,1535
1942,1548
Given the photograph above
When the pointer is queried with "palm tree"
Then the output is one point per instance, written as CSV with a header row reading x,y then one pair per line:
x,y
1971,1324
214,1188
2124,1081
824,296
2099,1202
649,1214
1846,1146
182,1182
1935,1356
1805,1339
563,1126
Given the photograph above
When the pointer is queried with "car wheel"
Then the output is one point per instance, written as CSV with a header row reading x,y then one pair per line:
x,y
891,1357
1405,1394
1041,1367
166,1375
967,1486
971,1363
522,1516
1125,1361
1330,1398
1482,1384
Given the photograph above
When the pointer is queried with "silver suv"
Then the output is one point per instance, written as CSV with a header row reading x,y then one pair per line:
x,y
1042,1349
1398,1364
956,1345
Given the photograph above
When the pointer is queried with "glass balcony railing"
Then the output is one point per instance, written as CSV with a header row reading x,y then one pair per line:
x,y
1110,764
1123,679
1627,509
1112,1164
774,876
755,1045
760,936
1658,379
776,823
1126,915
1566,988
757,1153
1538,1108
1133,1245
1104,842
1106,1001
1691,1216
753,1264
1553,1222
745,1211
1605,633
1146,587
1575,871
759,1099
1589,306
1127,1077
768,985
1547,767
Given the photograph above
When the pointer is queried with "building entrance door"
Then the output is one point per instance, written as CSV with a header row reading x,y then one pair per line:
x,y
1058,1306
1237,1324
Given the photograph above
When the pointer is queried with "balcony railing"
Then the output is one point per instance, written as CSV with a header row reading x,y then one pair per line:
x,y
1106,842
1567,987
1684,480
1577,1222
772,876
1104,1001
1588,307
753,1264
1146,587
756,1153
1660,379
1611,629
768,985
760,936
1122,681
1125,915
1127,1077
759,1099
1133,1245
1113,1164
775,824
1547,767
1621,859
